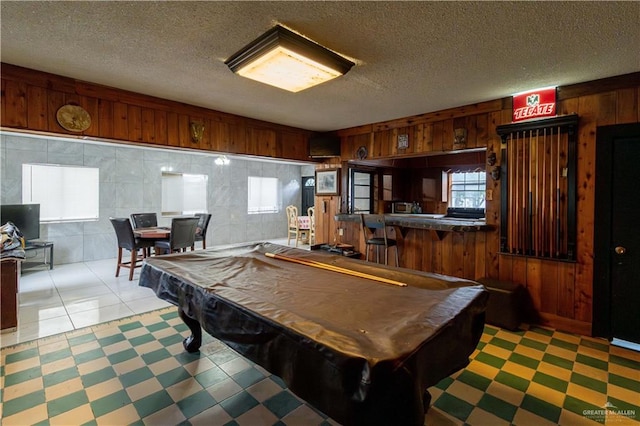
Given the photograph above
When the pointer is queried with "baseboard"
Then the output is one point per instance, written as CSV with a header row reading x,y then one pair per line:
x,y
566,324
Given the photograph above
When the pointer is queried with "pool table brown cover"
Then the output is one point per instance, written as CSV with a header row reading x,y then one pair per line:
x,y
360,351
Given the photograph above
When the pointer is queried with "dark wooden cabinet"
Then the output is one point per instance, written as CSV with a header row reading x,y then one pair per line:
x,y
10,275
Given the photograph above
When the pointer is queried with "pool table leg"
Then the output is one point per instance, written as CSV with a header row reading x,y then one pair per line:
x,y
426,401
193,342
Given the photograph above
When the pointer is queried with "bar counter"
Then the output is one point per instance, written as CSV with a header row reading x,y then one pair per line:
x,y
432,222
430,242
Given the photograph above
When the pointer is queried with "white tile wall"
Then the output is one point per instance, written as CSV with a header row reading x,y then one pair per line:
x,y
130,181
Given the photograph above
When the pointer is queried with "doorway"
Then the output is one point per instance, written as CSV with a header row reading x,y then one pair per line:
x,y
308,193
617,234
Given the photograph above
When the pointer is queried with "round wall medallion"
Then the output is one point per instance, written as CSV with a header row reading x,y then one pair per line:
x,y
73,118
362,153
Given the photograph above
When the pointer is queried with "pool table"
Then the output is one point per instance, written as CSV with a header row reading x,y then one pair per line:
x,y
362,351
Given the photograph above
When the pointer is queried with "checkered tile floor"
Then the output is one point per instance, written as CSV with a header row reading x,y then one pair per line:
x,y
135,371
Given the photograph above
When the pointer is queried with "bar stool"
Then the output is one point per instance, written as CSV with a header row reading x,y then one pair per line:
x,y
370,224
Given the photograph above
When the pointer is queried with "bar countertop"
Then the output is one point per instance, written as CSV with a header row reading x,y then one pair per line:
x,y
434,222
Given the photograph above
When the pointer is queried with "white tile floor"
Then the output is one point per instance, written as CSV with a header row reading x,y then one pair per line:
x,y
78,295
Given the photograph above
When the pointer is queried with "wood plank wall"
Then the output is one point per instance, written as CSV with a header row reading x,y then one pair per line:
x,y
561,292
31,98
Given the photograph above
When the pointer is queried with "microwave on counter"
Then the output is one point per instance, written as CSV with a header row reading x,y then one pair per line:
x,y
401,207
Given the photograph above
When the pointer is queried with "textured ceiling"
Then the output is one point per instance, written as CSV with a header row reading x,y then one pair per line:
x,y
412,57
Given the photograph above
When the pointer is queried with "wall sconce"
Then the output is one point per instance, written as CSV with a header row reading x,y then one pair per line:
x,y
222,161
286,60
197,130
459,138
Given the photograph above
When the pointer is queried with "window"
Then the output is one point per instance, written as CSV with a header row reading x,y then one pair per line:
x,y
65,193
263,195
183,194
467,190
361,191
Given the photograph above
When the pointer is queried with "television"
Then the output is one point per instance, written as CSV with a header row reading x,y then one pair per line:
x,y
25,216
324,145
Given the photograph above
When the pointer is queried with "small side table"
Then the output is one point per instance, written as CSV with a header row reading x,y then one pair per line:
x,y
46,246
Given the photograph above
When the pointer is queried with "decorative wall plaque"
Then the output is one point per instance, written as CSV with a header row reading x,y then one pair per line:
x,y
73,118
403,141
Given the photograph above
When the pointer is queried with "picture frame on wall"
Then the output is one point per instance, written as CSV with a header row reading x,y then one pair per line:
x,y
328,182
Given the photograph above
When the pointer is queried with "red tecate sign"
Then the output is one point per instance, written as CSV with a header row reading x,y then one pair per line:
x,y
534,104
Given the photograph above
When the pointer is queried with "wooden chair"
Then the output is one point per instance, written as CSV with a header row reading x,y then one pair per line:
x,y
201,228
128,241
311,212
183,236
370,224
294,228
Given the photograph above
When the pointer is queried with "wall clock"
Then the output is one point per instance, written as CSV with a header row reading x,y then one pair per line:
x,y
73,118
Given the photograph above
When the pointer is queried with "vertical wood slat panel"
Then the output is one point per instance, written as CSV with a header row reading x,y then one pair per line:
x,y
184,131
506,268
583,292
549,287
205,143
457,254
469,123
492,209
148,125
36,108
482,130
3,101
479,255
566,289
533,277
134,120
447,135
447,257
91,105
14,113
120,121
219,135
105,118
437,135
54,101
429,254
627,106
160,127
237,141
468,254
173,137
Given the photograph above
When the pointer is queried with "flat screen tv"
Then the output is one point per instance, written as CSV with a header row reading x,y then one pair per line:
x,y
25,216
323,145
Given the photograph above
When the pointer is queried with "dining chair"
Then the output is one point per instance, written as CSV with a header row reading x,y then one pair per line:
x,y
183,234
371,223
293,225
128,241
201,228
311,212
144,220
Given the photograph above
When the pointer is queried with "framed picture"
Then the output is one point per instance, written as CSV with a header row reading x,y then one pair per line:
x,y
328,182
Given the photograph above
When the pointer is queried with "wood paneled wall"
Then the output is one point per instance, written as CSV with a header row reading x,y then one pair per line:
x,y
561,292
30,100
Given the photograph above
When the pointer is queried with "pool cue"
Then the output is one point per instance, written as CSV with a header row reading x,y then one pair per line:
x,y
516,189
511,164
544,190
558,198
332,268
551,196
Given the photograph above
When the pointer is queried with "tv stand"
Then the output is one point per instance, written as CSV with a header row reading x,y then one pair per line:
x,y
46,246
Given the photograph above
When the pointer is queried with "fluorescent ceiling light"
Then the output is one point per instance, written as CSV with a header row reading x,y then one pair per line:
x,y
284,59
